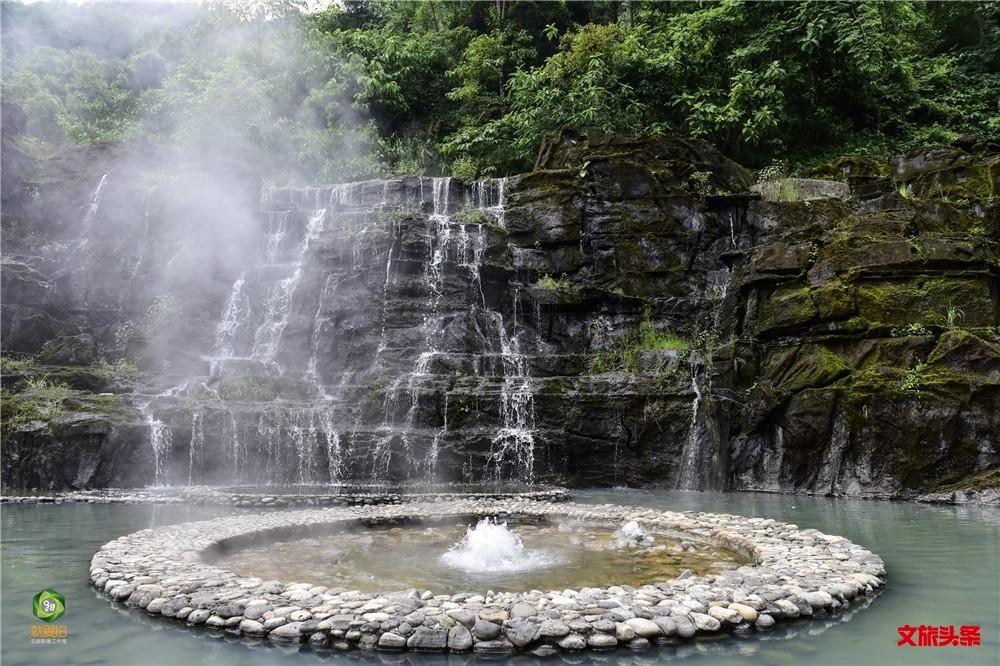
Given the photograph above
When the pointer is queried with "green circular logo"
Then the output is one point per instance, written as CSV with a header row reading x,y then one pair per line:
x,y
48,605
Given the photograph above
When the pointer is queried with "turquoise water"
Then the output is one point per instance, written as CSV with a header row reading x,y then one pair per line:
x,y
943,564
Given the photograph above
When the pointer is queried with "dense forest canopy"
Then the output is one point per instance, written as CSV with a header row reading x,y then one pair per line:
x,y
376,87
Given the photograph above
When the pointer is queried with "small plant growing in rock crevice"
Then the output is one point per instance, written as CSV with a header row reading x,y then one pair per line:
x,y
622,356
914,328
912,380
701,183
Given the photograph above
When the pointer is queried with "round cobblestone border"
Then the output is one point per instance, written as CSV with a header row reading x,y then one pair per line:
x,y
236,496
233,496
794,573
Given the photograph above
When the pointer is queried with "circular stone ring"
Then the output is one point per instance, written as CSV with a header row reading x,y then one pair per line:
x,y
793,573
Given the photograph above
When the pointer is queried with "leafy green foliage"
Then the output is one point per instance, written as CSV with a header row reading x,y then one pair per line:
x,y
369,87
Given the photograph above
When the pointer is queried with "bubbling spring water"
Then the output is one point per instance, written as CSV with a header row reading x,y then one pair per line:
x,y
493,547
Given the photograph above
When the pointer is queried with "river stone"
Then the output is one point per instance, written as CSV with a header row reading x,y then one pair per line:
x,y
199,616
723,614
485,631
544,650
156,605
573,642
274,622
818,599
746,612
602,641
252,627
787,607
667,625
286,632
391,641
120,592
428,640
623,632
493,647
553,629
216,621
318,640
463,616
643,628
173,606
256,611
493,615
521,632
639,644
522,609
459,638
764,621
705,622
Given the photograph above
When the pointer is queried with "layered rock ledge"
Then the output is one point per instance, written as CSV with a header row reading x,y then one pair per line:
x,y
794,573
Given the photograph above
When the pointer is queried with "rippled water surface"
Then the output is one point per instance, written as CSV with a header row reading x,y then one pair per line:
x,y
943,563
550,557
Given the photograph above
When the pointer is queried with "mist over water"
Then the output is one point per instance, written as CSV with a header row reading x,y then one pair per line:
x,y
229,287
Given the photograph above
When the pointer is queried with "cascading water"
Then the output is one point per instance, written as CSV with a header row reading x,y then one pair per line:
x,y
161,441
272,408
512,453
692,457
195,448
279,301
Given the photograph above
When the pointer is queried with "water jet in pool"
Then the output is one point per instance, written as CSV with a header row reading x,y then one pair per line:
x,y
493,546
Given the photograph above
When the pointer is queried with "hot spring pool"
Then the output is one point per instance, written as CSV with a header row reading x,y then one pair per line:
x,y
455,556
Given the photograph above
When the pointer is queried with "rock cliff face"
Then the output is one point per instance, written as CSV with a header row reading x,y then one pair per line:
x,y
627,313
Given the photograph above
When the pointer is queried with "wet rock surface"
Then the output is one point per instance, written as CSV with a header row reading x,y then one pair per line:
x,y
602,320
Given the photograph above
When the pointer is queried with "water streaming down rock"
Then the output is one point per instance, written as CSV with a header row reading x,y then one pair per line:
x,y
692,462
281,400
523,331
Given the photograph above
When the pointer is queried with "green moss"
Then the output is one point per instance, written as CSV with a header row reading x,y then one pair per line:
x,y
123,368
989,478
930,301
786,307
15,366
813,366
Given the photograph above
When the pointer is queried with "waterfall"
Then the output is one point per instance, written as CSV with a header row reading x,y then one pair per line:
x,y
285,423
161,440
692,456
234,313
197,443
513,446
279,300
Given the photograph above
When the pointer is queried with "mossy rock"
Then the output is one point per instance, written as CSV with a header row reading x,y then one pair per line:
x,y
928,300
787,307
802,367
781,258
963,352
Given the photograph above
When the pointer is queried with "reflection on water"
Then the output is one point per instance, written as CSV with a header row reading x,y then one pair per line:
x,y
445,558
942,564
